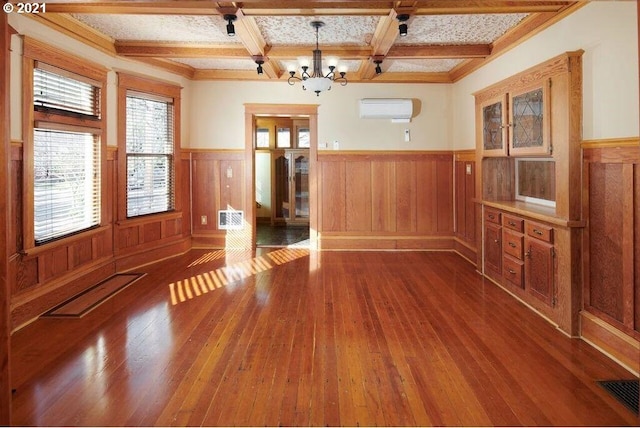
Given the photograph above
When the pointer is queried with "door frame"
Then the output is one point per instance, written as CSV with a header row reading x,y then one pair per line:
x,y
251,111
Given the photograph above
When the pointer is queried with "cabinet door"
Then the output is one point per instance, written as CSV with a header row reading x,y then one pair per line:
x,y
301,186
493,248
494,127
529,113
539,269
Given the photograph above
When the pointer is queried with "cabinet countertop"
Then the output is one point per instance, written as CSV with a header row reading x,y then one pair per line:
x,y
533,211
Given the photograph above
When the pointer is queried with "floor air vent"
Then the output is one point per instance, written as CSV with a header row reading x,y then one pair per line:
x,y
230,219
625,391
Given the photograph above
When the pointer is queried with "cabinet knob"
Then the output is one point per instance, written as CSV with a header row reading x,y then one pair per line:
x,y
512,245
511,223
496,241
537,232
512,272
491,216
528,253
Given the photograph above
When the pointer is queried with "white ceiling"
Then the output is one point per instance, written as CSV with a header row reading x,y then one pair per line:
x,y
279,33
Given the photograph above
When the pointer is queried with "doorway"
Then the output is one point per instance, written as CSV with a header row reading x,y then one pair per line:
x,y
282,181
290,186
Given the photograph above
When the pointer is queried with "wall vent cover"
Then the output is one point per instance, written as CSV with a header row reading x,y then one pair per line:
x,y
230,220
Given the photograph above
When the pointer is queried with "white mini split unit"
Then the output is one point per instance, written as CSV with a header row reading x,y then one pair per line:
x,y
399,110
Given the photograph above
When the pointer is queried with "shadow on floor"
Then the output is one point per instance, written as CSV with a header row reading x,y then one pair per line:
x,y
282,236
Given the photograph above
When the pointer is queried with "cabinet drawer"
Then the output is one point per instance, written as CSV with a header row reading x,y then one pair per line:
x,y
513,271
491,215
514,223
540,231
512,243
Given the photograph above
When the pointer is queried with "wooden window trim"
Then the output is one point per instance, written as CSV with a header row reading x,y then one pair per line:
x,y
36,53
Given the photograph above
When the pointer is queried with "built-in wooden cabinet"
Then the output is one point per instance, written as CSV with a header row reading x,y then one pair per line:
x,y
520,256
528,134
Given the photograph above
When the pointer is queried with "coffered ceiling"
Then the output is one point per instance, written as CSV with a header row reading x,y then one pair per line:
x,y
446,39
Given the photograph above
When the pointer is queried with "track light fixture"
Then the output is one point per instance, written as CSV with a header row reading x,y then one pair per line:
x,y
231,29
377,62
259,69
403,18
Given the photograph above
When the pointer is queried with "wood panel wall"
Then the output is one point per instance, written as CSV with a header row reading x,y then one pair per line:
x,y
465,206
386,200
217,183
612,248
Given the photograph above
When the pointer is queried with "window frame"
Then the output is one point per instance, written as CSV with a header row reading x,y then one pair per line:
x,y
154,89
37,53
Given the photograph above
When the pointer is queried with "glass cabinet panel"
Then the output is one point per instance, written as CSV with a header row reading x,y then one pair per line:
x,y
529,133
494,127
302,186
527,119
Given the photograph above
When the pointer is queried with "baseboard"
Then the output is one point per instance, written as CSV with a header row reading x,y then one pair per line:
x,y
618,346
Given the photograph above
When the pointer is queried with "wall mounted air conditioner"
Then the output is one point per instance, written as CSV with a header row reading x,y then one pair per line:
x,y
399,110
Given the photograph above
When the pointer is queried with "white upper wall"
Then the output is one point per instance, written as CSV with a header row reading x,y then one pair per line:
x,y
607,32
217,114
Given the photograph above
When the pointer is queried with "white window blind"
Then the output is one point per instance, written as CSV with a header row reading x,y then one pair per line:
x,y
150,150
64,94
66,183
66,155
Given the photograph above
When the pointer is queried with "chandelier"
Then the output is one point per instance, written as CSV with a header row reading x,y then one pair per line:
x,y
317,81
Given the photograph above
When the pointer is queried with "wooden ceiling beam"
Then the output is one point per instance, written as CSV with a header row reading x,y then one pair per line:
x,y
176,50
184,7
383,39
342,52
439,51
305,8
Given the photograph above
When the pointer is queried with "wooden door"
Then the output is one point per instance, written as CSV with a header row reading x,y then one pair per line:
x,y
493,248
539,270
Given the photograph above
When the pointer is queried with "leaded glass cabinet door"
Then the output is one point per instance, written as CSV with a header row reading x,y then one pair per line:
x,y
494,126
301,186
529,115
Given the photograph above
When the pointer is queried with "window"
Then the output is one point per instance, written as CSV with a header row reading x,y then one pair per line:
x,y
65,143
66,186
149,130
304,138
149,145
283,138
262,138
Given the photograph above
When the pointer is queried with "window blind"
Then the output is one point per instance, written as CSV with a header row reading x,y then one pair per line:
x,y
150,150
66,183
64,94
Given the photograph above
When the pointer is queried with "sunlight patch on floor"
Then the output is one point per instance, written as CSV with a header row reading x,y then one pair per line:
x,y
203,283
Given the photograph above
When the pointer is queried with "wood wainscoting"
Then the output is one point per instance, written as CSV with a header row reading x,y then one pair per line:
x,y
611,316
217,183
465,241
386,200
45,276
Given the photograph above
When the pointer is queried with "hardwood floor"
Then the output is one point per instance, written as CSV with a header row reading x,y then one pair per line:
x,y
290,337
